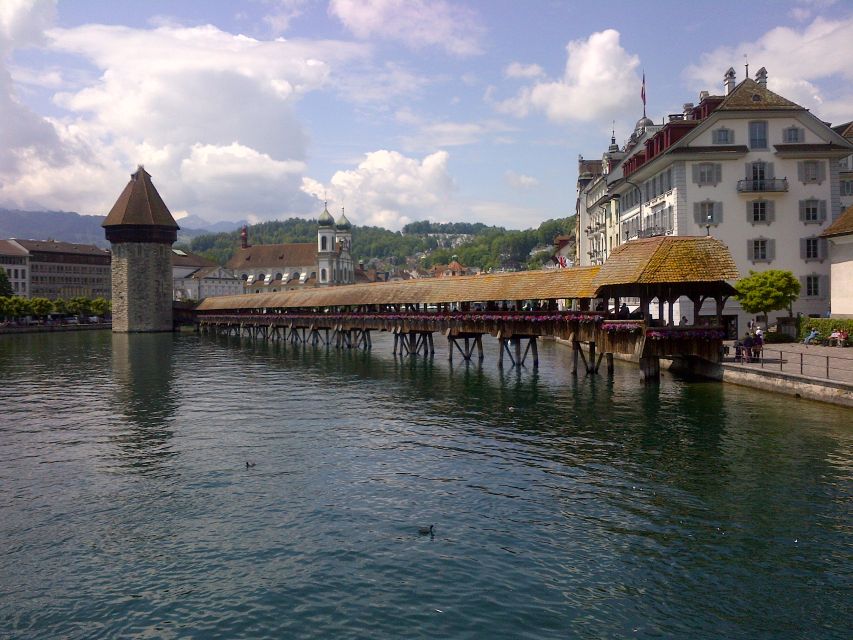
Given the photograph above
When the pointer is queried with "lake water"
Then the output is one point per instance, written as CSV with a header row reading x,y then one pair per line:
x,y
563,508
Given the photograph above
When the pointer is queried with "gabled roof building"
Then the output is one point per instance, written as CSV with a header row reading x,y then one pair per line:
x,y
749,167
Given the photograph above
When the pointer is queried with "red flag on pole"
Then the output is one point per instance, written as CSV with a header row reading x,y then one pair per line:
x,y
643,93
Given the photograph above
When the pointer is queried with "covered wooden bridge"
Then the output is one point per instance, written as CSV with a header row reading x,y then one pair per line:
x,y
580,305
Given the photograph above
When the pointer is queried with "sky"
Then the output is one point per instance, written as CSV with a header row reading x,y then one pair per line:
x,y
396,110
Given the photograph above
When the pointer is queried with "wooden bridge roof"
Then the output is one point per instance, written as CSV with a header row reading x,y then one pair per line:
x,y
698,263
522,285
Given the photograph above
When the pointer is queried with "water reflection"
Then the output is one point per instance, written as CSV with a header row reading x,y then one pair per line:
x,y
146,397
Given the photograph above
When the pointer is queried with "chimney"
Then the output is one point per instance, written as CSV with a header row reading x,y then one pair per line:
x,y
729,80
702,95
761,77
687,109
244,238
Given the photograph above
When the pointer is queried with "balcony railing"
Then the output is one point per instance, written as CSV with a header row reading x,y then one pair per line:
x,y
760,186
650,232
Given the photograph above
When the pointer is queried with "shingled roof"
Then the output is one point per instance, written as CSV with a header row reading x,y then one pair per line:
x,y
668,260
842,226
751,96
140,205
270,256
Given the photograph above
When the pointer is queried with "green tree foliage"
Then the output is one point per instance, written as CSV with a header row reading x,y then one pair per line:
x,y
765,291
101,306
60,306
487,248
80,306
41,306
5,285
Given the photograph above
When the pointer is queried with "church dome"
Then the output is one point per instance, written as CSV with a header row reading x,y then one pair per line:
x,y
342,223
642,123
326,219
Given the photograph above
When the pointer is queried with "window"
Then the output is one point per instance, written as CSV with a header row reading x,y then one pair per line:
x,y
812,249
811,171
847,187
323,277
760,249
812,211
708,213
793,135
812,286
707,173
723,136
757,135
323,243
759,211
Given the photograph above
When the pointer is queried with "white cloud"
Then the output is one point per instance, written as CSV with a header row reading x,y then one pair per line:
x,y
796,59
518,70
205,110
282,13
599,83
389,189
22,22
415,23
432,135
520,180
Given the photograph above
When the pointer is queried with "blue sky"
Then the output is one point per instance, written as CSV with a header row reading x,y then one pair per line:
x,y
397,110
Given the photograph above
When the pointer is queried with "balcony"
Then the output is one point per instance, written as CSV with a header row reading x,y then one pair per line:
x,y
762,186
652,231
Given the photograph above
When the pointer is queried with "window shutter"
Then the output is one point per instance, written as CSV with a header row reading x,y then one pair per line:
x,y
803,285
730,137
804,248
802,210
697,213
749,215
771,250
718,212
821,212
821,248
801,171
769,173
823,286
696,173
821,172
750,250
771,211
747,171
718,173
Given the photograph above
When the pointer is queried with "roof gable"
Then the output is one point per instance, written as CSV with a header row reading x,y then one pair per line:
x,y
842,226
751,96
265,256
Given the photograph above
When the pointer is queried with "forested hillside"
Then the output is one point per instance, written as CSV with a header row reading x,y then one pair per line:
x,y
486,247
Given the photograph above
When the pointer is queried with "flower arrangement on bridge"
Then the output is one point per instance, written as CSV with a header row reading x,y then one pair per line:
x,y
621,327
683,334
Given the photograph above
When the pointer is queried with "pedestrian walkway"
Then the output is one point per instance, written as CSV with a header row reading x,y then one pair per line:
x,y
813,361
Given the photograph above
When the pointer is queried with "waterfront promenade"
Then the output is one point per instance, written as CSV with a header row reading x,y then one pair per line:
x,y
815,362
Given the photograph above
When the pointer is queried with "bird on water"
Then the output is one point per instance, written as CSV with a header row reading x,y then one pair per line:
x,y
427,531
249,465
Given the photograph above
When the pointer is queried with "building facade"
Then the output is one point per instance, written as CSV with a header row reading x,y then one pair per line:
x,y
196,278
297,265
840,237
50,269
141,231
750,167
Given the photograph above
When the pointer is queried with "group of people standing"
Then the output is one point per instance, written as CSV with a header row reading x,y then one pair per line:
x,y
749,349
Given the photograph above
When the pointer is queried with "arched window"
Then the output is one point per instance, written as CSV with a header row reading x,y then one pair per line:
x,y
278,276
323,243
245,276
261,276
314,274
295,275
322,275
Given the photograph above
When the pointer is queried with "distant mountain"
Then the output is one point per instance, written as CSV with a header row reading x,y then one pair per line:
x,y
65,226
68,226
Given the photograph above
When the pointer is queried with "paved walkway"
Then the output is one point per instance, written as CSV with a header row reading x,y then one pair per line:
x,y
814,361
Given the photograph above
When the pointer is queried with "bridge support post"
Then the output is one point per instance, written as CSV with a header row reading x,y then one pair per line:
x,y
650,369
591,365
576,350
517,358
609,364
472,341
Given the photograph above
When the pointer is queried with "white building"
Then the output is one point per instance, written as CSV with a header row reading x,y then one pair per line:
x,y
749,167
297,265
196,278
840,237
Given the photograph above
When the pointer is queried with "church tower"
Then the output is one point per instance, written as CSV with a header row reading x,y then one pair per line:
x,y
325,247
141,231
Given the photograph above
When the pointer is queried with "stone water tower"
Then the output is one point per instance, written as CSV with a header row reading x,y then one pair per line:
x,y
141,231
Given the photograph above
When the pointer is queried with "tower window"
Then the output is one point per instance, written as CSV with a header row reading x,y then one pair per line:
x,y
324,243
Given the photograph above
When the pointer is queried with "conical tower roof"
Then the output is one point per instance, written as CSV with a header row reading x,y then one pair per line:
x,y
140,205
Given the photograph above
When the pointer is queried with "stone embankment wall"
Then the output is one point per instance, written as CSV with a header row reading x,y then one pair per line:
x,y
142,287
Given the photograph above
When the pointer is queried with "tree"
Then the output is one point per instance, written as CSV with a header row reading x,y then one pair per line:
x,y
41,306
5,285
765,291
101,306
60,306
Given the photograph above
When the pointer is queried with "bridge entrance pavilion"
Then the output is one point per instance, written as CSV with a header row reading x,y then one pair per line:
x,y
579,305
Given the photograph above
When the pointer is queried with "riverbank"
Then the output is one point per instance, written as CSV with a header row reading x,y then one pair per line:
x,y
53,328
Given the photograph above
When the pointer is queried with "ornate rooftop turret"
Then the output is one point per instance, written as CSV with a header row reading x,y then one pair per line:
x,y
342,223
326,219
